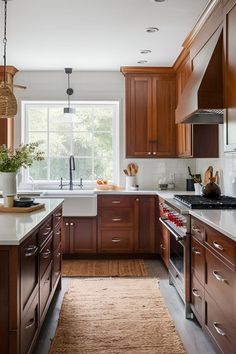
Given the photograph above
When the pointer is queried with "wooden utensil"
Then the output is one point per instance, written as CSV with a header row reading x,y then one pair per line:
x,y
217,177
126,172
208,174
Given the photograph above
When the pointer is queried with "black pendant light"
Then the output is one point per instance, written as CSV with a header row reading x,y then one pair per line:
x,y
8,104
69,110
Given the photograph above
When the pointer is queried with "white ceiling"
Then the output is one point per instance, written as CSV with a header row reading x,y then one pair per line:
x,y
96,34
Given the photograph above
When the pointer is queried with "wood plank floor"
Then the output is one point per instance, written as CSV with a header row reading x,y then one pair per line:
x,y
191,334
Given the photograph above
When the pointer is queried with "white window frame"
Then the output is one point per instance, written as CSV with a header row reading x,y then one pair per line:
x,y
25,182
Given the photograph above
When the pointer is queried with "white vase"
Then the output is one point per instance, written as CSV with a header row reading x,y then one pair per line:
x,y
8,183
130,181
198,188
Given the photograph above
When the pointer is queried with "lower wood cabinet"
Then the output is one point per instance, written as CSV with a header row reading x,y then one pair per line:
x,y
163,235
79,235
32,273
213,284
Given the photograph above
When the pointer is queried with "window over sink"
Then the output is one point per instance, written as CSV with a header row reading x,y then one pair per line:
x,y
92,137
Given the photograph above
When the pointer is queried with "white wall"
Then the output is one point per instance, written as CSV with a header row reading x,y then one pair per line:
x,y
103,85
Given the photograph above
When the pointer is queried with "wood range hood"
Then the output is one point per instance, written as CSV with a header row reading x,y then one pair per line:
x,y
201,101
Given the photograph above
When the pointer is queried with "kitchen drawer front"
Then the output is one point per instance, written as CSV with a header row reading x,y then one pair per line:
x,y
198,260
197,230
45,256
197,299
56,264
57,236
115,201
45,288
220,328
116,217
29,269
29,326
220,284
45,231
116,241
57,217
221,244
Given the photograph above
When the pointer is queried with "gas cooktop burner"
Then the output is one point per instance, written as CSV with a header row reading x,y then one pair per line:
x,y
199,202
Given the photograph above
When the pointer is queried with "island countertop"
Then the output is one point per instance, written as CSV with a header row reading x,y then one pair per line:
x,y
15,227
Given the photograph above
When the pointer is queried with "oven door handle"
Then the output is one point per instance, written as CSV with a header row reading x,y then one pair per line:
x,y
173,232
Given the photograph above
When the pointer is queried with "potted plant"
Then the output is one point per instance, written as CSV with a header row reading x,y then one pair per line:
x,y
11,160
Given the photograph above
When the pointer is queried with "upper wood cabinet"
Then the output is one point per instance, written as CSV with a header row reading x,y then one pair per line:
x,y
150,106
230,75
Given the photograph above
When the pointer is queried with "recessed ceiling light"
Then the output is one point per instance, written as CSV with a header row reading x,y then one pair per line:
x,y
145,51
142,61
152,29
158,0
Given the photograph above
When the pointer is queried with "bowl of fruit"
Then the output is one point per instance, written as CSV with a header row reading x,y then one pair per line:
x,y
102,184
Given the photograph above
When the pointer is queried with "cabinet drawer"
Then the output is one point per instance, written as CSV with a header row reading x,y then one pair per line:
x,y
56,264
117,217
217,323
223,245
220,281
116,241
57,217
198,260
29,326
57,236
197,298
45,288
29,268
197,230
115,201
45,231
45,256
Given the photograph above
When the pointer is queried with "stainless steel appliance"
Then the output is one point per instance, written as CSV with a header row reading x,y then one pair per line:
x,y
177,220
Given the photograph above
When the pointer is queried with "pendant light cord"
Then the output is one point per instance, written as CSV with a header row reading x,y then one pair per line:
x,y
68,88
5,43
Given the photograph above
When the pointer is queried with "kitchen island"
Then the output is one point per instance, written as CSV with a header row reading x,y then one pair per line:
x,y
30,273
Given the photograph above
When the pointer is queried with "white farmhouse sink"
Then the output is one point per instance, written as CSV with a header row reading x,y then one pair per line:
x,y
76,202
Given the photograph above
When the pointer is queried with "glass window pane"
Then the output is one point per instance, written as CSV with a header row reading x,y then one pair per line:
x,y
83,169
57,121
83,144
60,144
103,118
85,118
103,145
37,118
41,138
59,167
103,168
38,171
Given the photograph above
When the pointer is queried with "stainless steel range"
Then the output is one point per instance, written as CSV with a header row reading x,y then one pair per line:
x,y
177,220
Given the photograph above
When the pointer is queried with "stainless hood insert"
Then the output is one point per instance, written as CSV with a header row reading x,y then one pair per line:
x,y
201,101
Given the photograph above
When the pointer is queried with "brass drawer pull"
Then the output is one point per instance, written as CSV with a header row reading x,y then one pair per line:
x,y
161,246
195,292
218,329
58,215
116,202
218,246
115,240
116,219
218,276
67,224
47,232
31,251
194,229
46,254
59,254
30,324
58,233
195,251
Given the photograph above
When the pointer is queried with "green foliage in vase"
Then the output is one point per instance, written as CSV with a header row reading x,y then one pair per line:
x,y
11,160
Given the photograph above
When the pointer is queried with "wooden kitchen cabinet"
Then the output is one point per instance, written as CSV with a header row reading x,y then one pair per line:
x,y
126,224
79,235
163,235
230,75
213,284
150,105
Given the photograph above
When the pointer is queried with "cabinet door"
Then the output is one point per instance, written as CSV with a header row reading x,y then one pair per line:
x,y
184,140
145,225
230,76
138,116
83,235
66,236
163,117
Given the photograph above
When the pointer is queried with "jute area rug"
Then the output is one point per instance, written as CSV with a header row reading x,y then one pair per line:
x,y
113,316
104,268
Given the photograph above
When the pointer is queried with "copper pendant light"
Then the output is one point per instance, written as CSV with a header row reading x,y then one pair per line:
x,y
8,104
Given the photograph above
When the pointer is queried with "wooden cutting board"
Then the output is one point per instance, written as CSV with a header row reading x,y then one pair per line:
x,y
208,174
22,210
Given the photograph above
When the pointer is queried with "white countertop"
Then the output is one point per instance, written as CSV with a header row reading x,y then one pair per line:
x,y
15,227
222,220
